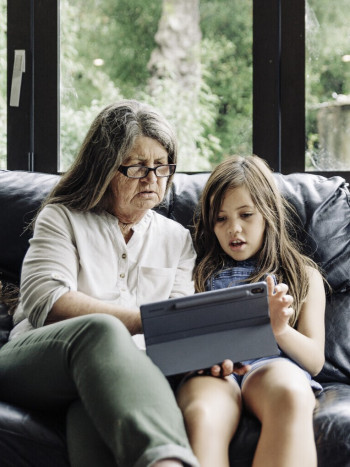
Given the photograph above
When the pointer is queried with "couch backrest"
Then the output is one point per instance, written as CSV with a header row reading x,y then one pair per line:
x,y
21,194
323,206
323,220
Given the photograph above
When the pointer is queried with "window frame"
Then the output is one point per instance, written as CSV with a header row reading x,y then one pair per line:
x,y
33,127
278,85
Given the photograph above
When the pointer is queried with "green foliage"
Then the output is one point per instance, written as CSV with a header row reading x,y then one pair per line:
x,y
122,36
327,39
327,75
227,63
106,46
192,121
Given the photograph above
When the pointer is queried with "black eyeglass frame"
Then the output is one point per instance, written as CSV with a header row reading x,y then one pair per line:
x,y
124,170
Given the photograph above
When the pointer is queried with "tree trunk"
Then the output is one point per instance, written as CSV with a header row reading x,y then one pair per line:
x,y
177,55
175,85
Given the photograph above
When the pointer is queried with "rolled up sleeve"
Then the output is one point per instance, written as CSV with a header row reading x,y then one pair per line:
x,y
51,265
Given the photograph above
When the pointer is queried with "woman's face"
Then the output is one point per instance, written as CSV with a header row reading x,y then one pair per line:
x,y
133,197
239,226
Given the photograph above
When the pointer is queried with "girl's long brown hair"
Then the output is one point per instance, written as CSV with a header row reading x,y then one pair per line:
x,y
280,254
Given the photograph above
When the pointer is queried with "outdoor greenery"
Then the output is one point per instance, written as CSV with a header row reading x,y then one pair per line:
x,y
106,46
123,39
327,74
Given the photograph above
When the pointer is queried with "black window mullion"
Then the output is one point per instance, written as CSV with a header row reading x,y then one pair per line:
x,y
292,86
19,119
46,85
266,81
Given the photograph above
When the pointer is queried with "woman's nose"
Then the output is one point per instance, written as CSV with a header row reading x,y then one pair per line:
x,y
150,177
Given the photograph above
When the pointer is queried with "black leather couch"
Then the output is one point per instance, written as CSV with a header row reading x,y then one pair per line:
x,y
323,208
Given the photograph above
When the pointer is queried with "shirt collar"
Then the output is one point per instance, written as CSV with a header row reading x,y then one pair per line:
x,y
141,226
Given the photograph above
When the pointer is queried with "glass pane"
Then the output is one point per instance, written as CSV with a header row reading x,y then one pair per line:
x,y
327,85
3,89
192,59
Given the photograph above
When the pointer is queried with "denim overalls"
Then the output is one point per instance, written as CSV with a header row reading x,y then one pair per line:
x,y
237,273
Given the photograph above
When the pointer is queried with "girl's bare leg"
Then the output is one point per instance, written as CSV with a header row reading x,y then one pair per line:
x,y
282,399
211,408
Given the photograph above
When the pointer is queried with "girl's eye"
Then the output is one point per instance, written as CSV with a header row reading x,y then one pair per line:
x,y
246,214
220,219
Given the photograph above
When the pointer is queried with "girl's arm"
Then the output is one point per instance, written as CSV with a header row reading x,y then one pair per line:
x,y
305,344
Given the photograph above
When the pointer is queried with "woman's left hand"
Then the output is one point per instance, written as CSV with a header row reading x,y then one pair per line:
x,y
225,369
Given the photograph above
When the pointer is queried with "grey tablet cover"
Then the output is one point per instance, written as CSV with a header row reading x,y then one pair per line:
x,y
198,331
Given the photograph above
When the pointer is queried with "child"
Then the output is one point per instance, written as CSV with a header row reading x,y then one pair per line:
x,y
242,234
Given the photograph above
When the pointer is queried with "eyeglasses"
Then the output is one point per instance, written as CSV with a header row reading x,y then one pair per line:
x,y
140,171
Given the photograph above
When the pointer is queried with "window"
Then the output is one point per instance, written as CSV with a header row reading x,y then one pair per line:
x,y
327,86
32,125
254,84
181,59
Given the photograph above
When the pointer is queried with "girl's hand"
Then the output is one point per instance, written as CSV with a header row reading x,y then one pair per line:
x,y
280,306
225,369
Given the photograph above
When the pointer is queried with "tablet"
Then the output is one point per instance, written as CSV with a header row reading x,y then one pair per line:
x,y
200,330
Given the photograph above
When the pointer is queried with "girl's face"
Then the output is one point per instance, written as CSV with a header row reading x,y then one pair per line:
x,y
239,226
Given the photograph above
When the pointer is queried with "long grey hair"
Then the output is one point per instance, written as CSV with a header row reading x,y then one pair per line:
x,y
85,186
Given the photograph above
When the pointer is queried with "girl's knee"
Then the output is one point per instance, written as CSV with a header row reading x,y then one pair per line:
x,y
205,406
198,409
293,397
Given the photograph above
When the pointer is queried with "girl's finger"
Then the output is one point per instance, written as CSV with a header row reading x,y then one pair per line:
x,y
281,289
270,285
227,367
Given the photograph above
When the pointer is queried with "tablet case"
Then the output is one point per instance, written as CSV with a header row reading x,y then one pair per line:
x,y
198,331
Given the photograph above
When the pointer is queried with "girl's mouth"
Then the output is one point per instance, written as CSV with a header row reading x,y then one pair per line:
x,y
236,244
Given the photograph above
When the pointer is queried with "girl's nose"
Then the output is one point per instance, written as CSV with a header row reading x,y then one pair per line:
x,y
234,228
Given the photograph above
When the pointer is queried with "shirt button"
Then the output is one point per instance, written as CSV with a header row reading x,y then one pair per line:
x,y
122,275
56,276
124,255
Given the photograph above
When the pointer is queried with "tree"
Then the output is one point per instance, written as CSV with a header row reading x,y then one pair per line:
x,y
177,55
176,84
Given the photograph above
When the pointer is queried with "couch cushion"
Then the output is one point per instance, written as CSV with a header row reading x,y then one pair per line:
x,y
337,365
332,426
31,439
323,206
21,194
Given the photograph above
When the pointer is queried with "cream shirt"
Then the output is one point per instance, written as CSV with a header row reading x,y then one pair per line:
x,y
85,251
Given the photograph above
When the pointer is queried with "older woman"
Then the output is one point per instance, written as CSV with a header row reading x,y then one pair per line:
x,y
98,252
